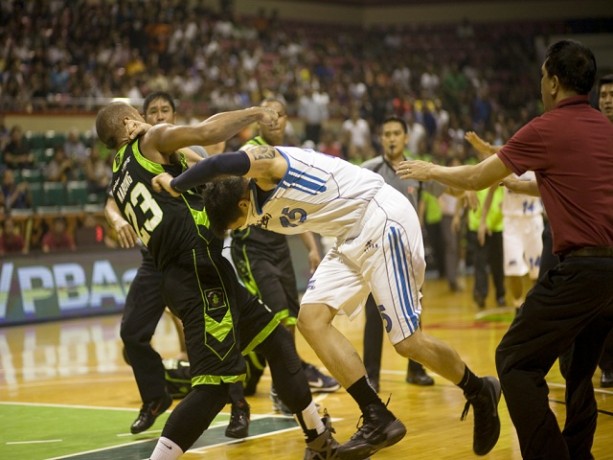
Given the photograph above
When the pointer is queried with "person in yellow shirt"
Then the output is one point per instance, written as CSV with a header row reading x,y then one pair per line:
x,y
485,241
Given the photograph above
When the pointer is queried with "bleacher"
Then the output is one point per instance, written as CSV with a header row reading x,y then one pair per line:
x,y
50,199
57,197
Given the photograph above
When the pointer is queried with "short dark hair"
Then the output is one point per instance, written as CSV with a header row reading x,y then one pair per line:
x,y
573,63
221,199
158,95
605,80
109,122
274,100
395,119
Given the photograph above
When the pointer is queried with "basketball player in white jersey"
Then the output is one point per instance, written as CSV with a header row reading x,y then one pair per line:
x,y
523,225
378,249
522,236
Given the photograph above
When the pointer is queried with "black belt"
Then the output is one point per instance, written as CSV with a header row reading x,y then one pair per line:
x,y
591,252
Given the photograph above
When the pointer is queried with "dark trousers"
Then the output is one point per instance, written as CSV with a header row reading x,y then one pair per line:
x,y
548,258
572,303
312,132
142,312
373,340
450,249
548,261
606,360
434,239
488,258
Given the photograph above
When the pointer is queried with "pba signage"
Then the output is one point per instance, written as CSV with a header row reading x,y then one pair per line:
x,y
55,286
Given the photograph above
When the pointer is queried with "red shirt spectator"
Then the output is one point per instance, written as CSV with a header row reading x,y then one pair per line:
x,y
10,239
58,238
329,145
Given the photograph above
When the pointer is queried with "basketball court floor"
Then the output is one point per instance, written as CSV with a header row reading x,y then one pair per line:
x,y
66,393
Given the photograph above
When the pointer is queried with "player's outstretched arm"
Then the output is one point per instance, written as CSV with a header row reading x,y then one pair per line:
x,y
232,163
262,163
168,138
465,177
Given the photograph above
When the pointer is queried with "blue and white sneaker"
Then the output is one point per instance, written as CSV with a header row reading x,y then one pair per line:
x,y
278,405
318,381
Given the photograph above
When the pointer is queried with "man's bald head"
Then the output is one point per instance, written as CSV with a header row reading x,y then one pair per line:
x,y
110,123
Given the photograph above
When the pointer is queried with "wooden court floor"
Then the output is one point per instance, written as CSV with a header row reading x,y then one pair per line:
x,y
79,363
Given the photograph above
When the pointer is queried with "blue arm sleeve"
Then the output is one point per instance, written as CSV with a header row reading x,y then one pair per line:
x,y
233,163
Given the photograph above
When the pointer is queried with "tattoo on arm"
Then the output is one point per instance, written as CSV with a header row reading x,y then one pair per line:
x,y
263,152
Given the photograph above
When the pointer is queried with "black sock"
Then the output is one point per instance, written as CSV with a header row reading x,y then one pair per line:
x,y
363,394
309,434
470,383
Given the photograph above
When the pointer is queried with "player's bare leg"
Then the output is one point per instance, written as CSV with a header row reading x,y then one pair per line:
x,y
482,394
380,426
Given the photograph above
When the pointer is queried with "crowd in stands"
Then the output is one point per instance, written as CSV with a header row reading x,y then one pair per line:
x,y
52,185
338,81
74,53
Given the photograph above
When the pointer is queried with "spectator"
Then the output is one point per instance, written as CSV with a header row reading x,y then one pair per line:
x,y
58,238
291,52
356,137
15,195
482,109
425,115
454,85
11,240
429,81
17,153
60,167
329,145
418,135
313,109
75,149
98,173
4,133
91,233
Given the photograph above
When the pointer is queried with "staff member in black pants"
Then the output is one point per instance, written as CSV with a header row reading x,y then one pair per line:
x,y
569,148
394,138
550,260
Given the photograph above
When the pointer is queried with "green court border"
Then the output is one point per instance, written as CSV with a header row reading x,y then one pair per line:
x,y
31,431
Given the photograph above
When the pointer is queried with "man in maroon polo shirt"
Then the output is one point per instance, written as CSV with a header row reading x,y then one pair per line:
x,y
570,149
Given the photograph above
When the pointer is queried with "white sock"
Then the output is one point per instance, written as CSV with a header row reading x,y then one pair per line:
x,y
311,418
166,449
